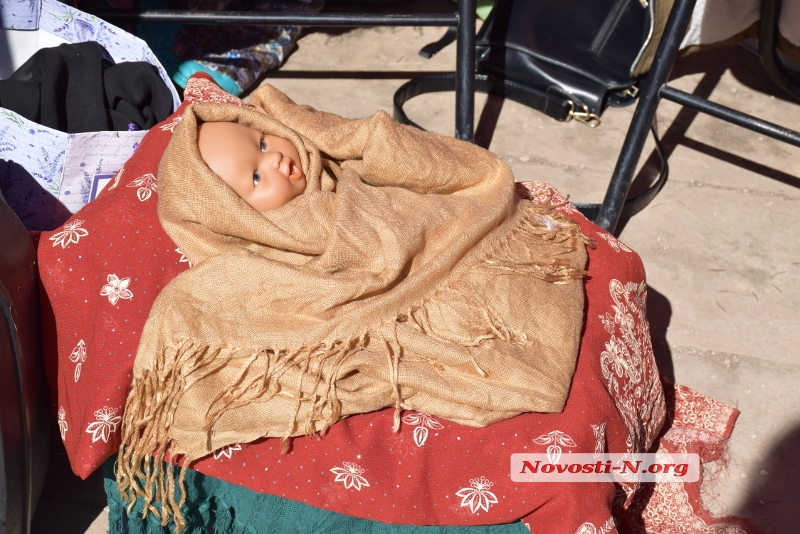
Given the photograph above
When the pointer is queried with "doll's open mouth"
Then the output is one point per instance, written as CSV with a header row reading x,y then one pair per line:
x,y
294,171
286,167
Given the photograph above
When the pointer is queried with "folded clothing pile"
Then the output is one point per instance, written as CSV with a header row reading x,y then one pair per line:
x,y
77,87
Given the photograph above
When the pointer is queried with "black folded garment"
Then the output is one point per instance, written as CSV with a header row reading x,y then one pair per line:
x,y
78,88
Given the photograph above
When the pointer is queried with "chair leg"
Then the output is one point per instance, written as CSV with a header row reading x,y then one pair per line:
x,y
465,70
767,49
649,97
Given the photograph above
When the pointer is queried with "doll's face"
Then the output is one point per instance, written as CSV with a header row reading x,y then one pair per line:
x,y
262,169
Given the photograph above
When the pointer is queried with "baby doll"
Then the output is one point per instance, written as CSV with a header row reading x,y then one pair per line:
x,y
264,170
406,274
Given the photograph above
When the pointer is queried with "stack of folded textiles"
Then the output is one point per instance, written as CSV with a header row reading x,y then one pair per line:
x,y
103,270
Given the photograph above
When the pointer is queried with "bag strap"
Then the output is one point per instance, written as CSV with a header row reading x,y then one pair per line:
x,y
551,104
634,205
431,49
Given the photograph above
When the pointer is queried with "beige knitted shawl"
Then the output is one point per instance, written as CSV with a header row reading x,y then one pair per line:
x,y
406,275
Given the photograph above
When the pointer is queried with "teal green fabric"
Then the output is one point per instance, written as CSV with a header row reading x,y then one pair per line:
x,y
187,68
218,507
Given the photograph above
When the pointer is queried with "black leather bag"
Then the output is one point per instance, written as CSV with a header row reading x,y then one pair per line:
x,y
566,58
582,51
569,59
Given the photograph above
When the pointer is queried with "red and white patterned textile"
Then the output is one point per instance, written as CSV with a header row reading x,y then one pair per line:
x,y
103,269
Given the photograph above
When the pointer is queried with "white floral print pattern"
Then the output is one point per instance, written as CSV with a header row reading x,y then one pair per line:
x,y
117,178
599,438
589,528
543,193
116,289
670,510
147,185
613,242
183,258
586,528
350,476
424,421
105,425
608,526
72,233
681,437
202,90
556,439
477,496
62,423
633,385
608,322
227,451
170,126
78,356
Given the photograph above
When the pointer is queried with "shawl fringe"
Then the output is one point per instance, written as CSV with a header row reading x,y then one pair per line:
x,y
151,406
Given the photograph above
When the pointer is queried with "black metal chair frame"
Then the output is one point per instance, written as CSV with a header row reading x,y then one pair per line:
x,y
463,19
654,87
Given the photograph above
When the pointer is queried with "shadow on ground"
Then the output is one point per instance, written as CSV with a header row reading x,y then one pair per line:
x,y
746,67
659,313
774,498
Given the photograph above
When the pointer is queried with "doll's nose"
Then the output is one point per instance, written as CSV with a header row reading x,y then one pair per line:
x,y
273,159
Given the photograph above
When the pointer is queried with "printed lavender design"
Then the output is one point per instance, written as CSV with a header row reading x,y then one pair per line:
x,y
49,170
12,117
66,18
84,30
19,14
86,182
75,28
5,142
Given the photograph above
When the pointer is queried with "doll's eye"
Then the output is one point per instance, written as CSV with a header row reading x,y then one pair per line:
x,y
256,178
263,146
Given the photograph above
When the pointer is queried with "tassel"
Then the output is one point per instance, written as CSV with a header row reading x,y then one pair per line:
x,y
394,354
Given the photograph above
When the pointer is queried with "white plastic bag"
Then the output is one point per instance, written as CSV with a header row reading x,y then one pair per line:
x,y
47,174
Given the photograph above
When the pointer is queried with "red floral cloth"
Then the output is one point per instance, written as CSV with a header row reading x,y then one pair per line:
x,y
695,424
101,272
103,269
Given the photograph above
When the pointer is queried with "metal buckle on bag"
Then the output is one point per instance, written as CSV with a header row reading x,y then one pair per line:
x,y
586,117
632,91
